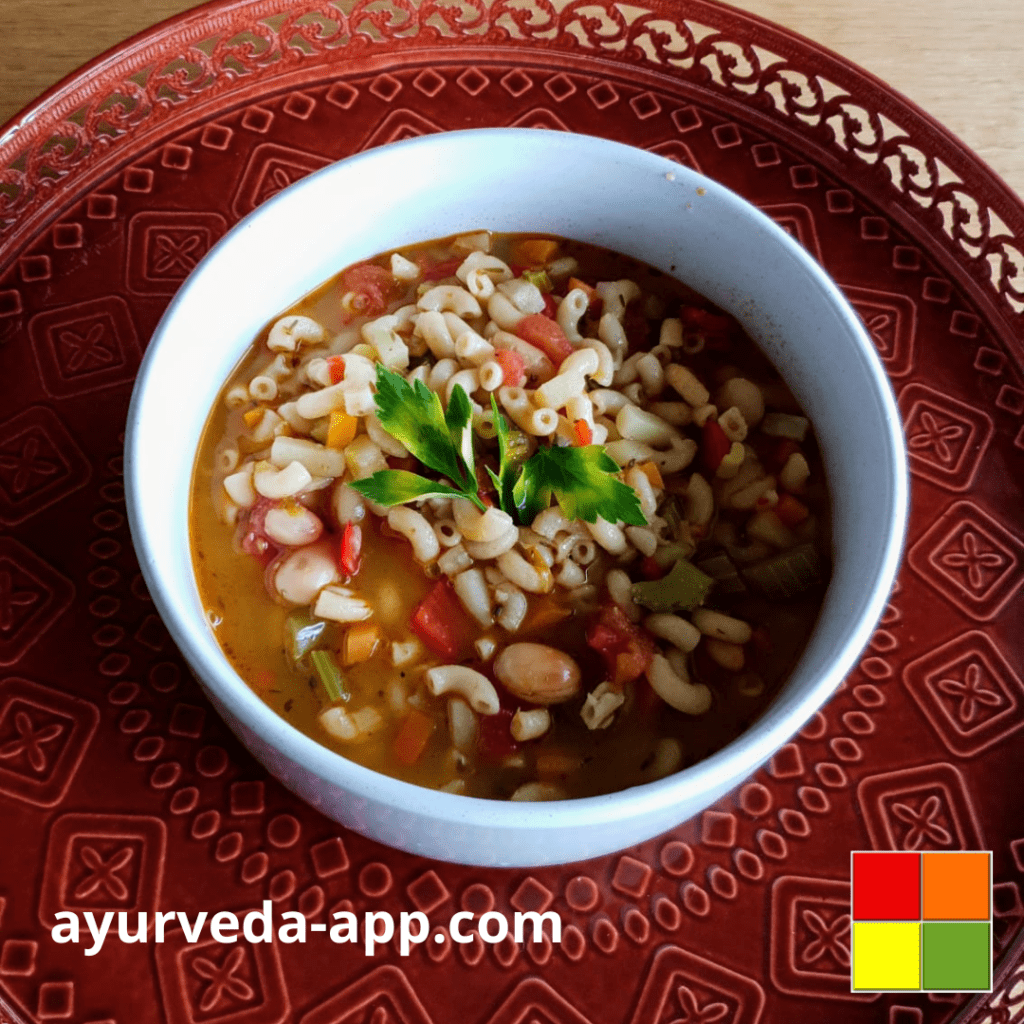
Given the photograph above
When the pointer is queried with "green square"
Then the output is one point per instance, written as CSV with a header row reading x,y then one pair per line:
x,y
957,956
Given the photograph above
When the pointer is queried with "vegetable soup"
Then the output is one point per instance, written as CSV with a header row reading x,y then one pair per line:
x,y
510,516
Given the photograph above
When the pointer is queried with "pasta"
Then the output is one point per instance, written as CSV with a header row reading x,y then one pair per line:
x,y
458,636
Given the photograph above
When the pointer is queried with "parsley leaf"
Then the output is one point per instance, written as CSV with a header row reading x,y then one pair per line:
x,y
512,449
397,486
413,415
582,481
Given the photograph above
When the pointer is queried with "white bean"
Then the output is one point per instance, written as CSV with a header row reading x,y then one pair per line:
x,y
302,574
537,673
292,525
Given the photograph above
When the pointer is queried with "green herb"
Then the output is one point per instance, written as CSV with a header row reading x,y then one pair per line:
x,y
582,481
442,441
683,589
539,278
331,679
512,451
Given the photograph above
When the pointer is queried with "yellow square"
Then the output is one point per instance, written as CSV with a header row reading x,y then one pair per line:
x,y
886,955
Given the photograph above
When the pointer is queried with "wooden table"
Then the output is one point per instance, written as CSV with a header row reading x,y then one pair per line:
x,y
960,62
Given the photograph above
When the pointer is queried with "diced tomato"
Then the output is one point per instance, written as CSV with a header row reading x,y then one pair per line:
x,y
652,569
544,333
441,622
371,285
336,368
703,320
627,649
513,367
437,271
550,305
791,511
495,740
714,444
583,433
350,549
779,453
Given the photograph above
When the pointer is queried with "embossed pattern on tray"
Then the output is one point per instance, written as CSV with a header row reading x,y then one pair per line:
x,y
121,785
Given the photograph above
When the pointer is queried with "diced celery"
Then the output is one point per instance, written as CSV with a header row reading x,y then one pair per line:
x,y
327,671
302,634
539,278
723,571
683,589
787,575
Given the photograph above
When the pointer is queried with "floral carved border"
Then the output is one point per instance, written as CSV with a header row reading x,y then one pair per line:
x,y
219,53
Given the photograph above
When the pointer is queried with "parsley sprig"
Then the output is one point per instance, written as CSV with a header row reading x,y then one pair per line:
x,y
583,480
442,441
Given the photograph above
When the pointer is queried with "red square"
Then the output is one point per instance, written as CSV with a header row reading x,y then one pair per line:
x,y
886,886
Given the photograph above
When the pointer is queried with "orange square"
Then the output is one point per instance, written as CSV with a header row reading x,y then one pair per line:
x,y
957,886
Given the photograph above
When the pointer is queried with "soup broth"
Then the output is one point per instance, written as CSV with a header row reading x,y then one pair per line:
x,y
486,638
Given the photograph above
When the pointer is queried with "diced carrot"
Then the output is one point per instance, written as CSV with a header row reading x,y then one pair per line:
x,y
361,642
336,368
413,737
253,416
544,613
534,251
341,429
513,367
575,282
583,433
544,333
651,471
791,510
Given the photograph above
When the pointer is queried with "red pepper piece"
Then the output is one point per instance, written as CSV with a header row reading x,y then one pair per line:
x,y
544,333
582,432
714,445
336,368
550,305
350,549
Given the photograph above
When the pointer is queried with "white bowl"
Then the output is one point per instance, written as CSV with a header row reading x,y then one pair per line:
x,y
519,180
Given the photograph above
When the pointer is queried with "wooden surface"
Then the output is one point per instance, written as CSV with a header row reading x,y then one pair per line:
x,y
960,62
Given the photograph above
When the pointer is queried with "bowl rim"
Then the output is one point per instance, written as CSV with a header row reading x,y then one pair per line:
x,y
736,760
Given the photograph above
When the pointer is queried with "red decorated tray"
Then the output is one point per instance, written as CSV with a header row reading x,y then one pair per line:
x,y
120,788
